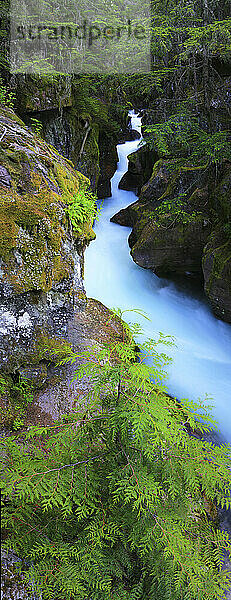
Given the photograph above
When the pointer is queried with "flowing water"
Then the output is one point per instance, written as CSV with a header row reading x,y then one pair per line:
x,y
202,356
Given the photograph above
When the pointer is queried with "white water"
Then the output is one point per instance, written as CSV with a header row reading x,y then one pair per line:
x,y
202,358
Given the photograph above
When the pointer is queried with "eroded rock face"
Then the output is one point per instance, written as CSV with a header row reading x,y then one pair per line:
x,y
12,586
140,165
108,163
217,275
177,251
40,257
167,237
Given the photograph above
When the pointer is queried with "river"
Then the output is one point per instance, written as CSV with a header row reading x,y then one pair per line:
x,y
202,355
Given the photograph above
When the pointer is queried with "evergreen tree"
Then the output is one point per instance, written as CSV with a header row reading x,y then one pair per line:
x,y
112,501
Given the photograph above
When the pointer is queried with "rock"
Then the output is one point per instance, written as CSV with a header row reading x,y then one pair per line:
x,y
126,216
172,221
40,268
74,134
140,165
133,135
153,190
165,238
130,182
108,163
36,376
174,251
60,395
217,275
42,93
12,585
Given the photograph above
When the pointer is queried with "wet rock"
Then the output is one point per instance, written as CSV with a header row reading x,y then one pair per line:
x,y
126,216
74,135
12,586
140,165
175,251
171,225
108,163
36,376
217,275
41,94
133,135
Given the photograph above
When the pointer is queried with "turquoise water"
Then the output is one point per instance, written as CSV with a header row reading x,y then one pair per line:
x,y
202,356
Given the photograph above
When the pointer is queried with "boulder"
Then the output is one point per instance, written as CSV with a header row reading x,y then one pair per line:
x,y
140,165
175,250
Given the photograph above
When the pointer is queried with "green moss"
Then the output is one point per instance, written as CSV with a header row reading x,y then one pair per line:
x,y
30,225
8,237
14,398
34,225
69,180
49,347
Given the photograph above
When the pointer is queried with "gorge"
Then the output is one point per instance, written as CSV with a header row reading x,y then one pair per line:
x,y
111,486
201,359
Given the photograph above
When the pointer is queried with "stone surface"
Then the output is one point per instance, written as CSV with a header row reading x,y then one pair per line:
x,y
161,241
140,165
177,251
12,587
217,275
127,216
40,257
108,163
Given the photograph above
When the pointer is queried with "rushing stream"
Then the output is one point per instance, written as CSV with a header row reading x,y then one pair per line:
x,y
202,356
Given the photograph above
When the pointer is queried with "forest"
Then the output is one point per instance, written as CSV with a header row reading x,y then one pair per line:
x,y
115,300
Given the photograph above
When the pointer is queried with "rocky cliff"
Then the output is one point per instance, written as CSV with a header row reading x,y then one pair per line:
x,y
78,117
39,257
42,298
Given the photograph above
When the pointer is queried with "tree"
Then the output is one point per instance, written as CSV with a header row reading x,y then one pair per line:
x,y
181,135
111,501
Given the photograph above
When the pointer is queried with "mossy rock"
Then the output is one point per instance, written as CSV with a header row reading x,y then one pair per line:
x,y
35,235
175,250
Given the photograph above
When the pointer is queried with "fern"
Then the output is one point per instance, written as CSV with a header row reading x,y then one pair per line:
x,y
111,502
82,208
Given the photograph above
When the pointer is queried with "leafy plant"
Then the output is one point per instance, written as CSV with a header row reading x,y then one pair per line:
x,y
36,125
82,208
110,502
182,135
175,210
16,397
7,98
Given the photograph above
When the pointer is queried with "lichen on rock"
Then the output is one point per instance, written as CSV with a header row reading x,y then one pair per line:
x,y
39,278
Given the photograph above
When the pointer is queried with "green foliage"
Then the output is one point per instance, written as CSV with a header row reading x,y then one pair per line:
x,y
181,135
110,502
16,397
36,125
6,98
174,211
82,208
215,37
